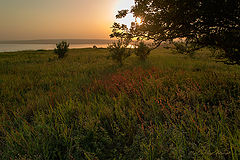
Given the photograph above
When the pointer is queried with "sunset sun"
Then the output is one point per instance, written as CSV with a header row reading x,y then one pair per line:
x,y
139,21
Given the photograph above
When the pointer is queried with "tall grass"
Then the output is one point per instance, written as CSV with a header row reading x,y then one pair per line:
x,y
84,107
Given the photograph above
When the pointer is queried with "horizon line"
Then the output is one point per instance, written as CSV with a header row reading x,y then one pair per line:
x,y
54,41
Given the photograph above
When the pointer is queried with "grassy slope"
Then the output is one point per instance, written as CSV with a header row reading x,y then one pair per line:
x,y
85,107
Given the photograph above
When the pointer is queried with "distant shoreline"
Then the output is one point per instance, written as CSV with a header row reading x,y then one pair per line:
x,y
34,47
54,41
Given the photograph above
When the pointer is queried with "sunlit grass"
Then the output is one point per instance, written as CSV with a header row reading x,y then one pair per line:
x,y
86,107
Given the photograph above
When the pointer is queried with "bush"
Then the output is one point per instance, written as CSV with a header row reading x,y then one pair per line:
x,y
184,48
62,48
94,47
142,51
119,51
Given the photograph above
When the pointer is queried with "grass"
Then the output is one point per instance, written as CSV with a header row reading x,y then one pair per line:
x,y
86,107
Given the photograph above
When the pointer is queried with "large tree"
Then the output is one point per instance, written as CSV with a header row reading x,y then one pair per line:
x,y
214,23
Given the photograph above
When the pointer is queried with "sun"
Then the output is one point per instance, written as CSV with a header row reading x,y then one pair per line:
x,y
138,20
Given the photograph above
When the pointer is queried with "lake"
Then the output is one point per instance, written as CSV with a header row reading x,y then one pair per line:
x,y
23,47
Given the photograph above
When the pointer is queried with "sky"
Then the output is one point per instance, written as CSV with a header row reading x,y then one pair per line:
x,y
59,19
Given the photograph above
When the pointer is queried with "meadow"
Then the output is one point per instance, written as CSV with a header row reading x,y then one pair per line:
x,y
87,107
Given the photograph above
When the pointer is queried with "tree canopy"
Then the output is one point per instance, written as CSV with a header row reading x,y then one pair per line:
x,y
214,23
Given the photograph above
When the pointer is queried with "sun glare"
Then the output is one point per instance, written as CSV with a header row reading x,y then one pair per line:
x,y
138,21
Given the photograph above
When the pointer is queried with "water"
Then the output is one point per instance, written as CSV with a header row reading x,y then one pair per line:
x,y
23,47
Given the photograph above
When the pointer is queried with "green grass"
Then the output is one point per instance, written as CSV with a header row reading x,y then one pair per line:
x,y
86,107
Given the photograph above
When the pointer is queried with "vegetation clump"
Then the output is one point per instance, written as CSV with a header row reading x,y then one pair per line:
x,y
119,50
142,51
206,23
61,49
183,47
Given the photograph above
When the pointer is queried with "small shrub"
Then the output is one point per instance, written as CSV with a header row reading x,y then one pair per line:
x,y
119,51
94,47
62,48
228,56
184,48
142,51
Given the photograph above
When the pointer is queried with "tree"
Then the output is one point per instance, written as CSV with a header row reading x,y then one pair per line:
x,y
214,23
183,47
142,51
62,48
119,51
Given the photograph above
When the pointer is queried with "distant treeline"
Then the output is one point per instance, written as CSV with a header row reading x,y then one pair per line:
x,y
54,41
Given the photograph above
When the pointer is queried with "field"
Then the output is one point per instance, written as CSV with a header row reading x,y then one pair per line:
x,y
86,107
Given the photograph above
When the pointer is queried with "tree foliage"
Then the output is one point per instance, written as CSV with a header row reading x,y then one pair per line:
x,y
184,47
214,23
142,51
62,48
119,51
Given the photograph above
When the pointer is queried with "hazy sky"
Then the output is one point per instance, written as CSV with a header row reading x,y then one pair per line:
x,y
56,19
